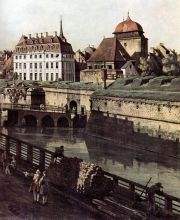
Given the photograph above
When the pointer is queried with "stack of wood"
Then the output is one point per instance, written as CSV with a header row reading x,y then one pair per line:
x,y
83,177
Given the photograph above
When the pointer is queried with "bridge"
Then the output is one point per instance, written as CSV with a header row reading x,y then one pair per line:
x,y
40,116
118,198
45,106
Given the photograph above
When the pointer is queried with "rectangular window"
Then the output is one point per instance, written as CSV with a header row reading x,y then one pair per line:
x,y
20,75
52,77
16,57
24,65
57,65
40,65
24,76
40,76
30,56
47,76
47,55
51,55
24,56
30,65
16,65
40,56
57,55
57,76
35,56
35,76
47,65
20,57
20,66
31,76
51,65
35,65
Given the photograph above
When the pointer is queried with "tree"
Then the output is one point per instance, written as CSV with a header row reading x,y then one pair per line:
x,y
143,66
171,64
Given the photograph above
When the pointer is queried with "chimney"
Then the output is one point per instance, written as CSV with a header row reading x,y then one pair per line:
x,y
55,33
104,77
46,34
37,35
29,36
151,49
41,35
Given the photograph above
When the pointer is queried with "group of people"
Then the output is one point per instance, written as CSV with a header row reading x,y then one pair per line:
x,y
8,163
39,186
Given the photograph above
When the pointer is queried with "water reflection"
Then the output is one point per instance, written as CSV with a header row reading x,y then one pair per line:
x,y
138,165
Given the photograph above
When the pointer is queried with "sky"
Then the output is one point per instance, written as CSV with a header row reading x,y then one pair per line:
x,y
86,22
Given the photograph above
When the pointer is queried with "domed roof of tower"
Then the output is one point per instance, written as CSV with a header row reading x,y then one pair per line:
x,y
128,26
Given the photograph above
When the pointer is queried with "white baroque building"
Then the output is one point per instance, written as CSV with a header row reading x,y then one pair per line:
x,y
44,58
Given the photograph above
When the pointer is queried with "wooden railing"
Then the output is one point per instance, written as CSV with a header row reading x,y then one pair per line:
x,y
39,157
165,201
34,155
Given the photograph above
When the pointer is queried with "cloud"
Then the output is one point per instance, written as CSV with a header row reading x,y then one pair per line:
x,y
86,22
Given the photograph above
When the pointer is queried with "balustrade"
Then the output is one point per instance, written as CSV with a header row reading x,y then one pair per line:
x,y
41,158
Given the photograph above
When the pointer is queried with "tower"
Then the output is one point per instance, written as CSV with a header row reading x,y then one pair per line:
x,y
131,36
61,35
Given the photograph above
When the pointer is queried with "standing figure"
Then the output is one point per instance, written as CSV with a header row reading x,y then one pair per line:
x,y
13,163
7,169
35,186
6,163
154,189
44,188
4,160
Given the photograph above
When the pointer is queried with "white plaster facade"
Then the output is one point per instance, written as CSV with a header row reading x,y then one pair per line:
x,y
47,58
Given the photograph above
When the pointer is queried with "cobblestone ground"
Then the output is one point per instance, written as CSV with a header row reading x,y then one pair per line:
x,y
16,203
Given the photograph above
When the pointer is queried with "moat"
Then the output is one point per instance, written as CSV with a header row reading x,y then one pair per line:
x,y
136,165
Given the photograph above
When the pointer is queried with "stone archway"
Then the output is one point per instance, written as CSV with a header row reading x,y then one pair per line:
x,y
47,121
63,122
29,121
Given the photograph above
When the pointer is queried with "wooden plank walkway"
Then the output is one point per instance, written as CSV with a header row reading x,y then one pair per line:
x,y
17,203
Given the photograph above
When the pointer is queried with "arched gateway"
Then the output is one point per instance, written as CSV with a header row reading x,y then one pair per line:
x,y
29,120
47,121
63,122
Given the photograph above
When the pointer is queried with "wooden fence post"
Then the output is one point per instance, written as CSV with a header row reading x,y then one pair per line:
x,y
42,160
7,147
168,204
18,150
30,154
132,187
115,181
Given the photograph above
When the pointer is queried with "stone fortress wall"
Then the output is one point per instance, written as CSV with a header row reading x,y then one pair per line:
x,y
151,117
152,104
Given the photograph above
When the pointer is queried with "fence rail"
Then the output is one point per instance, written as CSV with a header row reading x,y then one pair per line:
x,y
40,157
47,108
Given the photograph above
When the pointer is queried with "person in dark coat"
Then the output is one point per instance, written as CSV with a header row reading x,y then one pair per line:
x,y
44,188
154,189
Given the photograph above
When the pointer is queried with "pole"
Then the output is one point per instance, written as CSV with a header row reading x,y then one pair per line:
x,y
145,187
